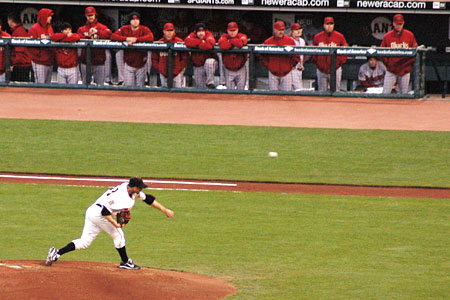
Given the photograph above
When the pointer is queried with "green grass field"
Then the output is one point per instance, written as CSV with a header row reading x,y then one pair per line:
x,y
271,246
377,157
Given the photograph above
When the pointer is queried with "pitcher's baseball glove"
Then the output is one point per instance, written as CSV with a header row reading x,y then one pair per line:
x,y
124,216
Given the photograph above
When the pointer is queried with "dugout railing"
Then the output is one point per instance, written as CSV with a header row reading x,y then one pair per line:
x,y
255,70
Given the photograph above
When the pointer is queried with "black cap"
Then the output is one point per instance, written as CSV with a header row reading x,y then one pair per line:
x,y
198,26
137,182
133,15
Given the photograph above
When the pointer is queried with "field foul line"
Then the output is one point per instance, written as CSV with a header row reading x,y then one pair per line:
x,y
115,180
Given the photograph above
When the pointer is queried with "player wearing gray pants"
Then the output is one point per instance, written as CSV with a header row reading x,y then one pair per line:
x,y
98,72
323,80
398,68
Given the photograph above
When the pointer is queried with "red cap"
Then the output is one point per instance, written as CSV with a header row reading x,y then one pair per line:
x,y
232,26
90,11
279,25
169,26
328,20
296,26
398,19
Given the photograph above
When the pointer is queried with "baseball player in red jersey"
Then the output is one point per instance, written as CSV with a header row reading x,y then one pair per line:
x,y
101,216
135,68
328,38
204,63
42,59
2,55
398,68
235,70
280,66
180,61
67,58
94,30
20,58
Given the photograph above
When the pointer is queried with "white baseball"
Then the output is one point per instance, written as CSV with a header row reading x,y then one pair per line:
x,y
273,154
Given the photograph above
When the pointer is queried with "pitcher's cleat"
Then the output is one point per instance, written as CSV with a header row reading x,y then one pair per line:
x,y
129,265
52,256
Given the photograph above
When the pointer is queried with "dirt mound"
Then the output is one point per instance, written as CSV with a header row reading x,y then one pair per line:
x,y
91,280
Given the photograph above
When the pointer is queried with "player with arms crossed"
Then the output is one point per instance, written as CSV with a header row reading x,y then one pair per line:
x,y
101,216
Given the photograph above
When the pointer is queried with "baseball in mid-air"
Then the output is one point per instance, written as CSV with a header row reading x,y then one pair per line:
x,y
273,154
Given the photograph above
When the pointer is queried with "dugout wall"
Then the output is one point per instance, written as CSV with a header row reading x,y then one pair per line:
x,y
362,22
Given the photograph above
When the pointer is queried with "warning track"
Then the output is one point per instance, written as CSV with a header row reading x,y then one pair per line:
x,y
232,186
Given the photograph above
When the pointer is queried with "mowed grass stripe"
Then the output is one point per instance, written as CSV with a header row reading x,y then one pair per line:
x,y
358,157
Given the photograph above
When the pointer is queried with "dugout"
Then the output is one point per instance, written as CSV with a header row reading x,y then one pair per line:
x,y
363,23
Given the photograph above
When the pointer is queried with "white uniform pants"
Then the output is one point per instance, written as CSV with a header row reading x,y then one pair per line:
x,y
205,74
297,76
67,75
134,76
280,83
323,80
42,74
97,71
178,81
236,79
95,223
402,82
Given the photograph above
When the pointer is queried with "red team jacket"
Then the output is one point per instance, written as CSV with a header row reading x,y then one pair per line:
x,y
19,55
406,39
2,52
98,56
66,57
192,41
42,30
323,39
180,60
280,65
134,58
233,61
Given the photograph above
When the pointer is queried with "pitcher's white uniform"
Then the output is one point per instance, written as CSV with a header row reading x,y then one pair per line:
x,y
114,200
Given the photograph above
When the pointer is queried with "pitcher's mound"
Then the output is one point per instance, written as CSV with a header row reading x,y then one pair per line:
x,y
94,281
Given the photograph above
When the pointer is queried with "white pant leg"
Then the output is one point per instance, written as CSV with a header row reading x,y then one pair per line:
x,y
285,82
72,77
120,65
60,78
129,75
99,74
200,77
297,79
163,80
83,73
273,82
93,225
403,83
141,75
323,81
2,77
338,79
222,73
108,65
229,79
210,68
241,78
178,81
389,81
42,74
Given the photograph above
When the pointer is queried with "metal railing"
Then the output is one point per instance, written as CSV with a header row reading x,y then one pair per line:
x,y
253,51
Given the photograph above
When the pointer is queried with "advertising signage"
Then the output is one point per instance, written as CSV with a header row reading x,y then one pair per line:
x,y
310,5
